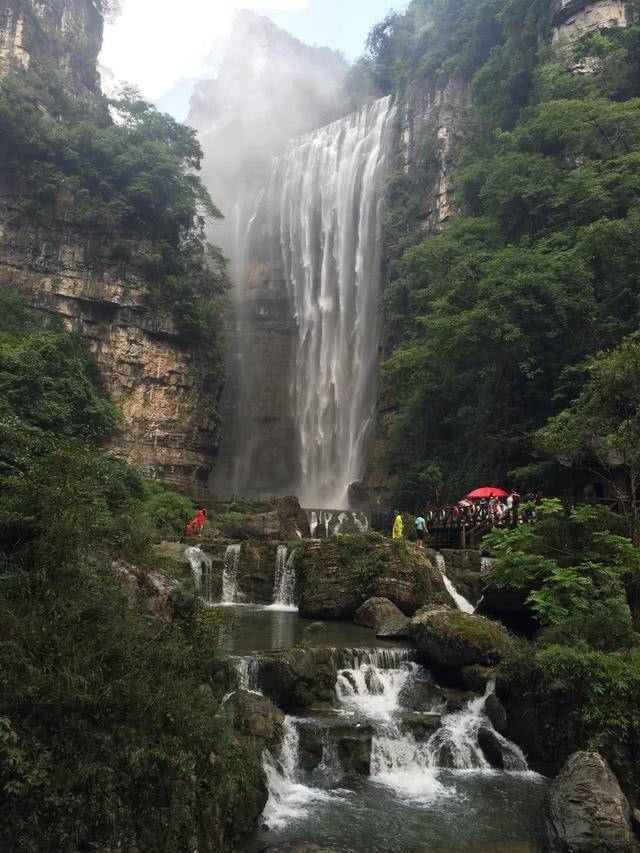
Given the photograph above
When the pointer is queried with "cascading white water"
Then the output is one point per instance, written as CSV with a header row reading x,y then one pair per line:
x,y
248,669
329,189
461,602
284,587
201,569
288,797
230,574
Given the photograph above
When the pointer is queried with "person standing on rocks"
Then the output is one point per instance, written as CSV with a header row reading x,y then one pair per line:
x,y
421,530
398,526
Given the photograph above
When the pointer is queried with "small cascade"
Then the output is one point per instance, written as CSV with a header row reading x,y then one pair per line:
x,y
326,523
284,587
201,569
230,574
248,673
383,658
460,600
289,799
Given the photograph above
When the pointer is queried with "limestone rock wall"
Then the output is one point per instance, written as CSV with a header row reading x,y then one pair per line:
x,y
67,33
439,112
169,426
159,385
573,18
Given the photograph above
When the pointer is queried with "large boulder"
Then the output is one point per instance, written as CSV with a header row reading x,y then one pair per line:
x,y
374,611
388,621
586,811
336,576
453,639
258,717
299,677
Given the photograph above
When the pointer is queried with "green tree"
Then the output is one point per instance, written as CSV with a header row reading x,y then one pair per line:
x,y
601,428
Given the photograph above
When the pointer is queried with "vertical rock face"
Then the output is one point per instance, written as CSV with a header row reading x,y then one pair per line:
x,y
66,33
438,112
158,381
573,18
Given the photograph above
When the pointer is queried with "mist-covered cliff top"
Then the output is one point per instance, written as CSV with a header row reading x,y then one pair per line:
x,y
266,69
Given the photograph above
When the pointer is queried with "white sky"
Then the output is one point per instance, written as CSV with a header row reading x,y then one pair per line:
x,y
154,44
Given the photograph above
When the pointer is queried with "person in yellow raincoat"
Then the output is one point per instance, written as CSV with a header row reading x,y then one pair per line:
x,y
398,526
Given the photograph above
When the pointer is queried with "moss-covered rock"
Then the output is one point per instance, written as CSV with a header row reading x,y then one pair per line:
x,y
452,639
299,677
336,576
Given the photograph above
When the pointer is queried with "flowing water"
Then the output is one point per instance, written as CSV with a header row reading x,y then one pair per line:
x,y
316,228
284,587
201,569
436,792
230,574
460,600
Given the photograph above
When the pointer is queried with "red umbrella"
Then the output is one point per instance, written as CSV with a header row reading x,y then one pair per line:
x,y
487,492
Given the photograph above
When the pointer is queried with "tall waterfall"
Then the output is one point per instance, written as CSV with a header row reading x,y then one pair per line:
x,y
321,215
331,200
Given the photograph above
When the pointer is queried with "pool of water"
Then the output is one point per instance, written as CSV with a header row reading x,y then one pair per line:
x,y
455,810
261,629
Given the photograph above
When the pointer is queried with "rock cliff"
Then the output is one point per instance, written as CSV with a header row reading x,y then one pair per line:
x,y
160,383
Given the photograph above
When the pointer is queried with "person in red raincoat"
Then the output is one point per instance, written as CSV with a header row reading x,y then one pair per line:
x,y
196,525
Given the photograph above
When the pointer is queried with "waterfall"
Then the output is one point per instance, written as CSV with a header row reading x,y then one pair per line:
x,y
201,569
460,600
230,574
284,587
372,692
309,258
331,187
288,797
248,669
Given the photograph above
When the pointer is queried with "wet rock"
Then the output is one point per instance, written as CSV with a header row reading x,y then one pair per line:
x,y
257,716
314,628
454,639
394,627
586,811
421,726
351,742
494,709
299,678
374,611
420,695
491,748
476,677
337,576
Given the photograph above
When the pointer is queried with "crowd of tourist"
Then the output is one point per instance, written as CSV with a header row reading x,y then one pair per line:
x,y
505,510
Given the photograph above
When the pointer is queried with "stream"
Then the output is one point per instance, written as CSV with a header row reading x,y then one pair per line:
x,y
429,785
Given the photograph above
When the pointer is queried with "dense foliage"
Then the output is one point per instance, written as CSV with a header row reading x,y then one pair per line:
x,y
125,177
491,320
581,580
110,725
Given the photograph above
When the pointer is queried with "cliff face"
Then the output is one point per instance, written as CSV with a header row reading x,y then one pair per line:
x,y
158,382
65,33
